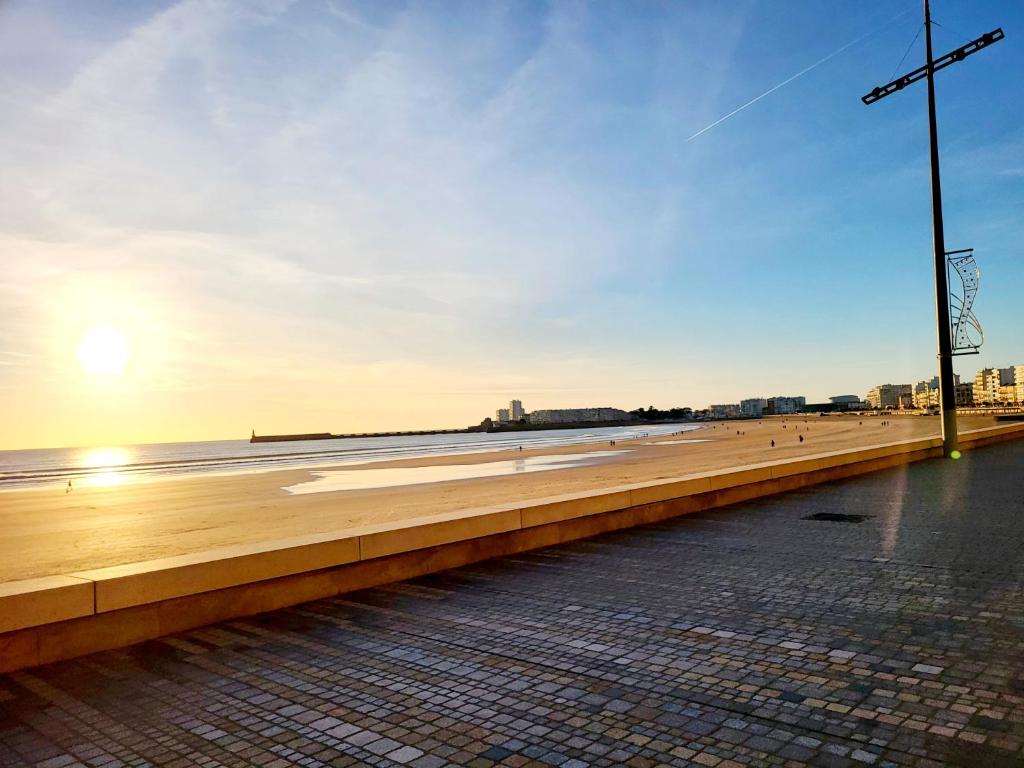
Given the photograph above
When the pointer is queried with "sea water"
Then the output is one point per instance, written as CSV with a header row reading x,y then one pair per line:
x,y
117,464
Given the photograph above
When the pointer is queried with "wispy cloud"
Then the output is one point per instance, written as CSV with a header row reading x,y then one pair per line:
x,y
279,195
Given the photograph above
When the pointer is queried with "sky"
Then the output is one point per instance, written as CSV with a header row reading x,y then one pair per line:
x,y
344,216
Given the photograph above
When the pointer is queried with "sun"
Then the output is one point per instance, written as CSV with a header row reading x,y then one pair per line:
x,y
103,351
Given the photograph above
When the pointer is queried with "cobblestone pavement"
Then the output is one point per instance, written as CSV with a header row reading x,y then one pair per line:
x,y
748,635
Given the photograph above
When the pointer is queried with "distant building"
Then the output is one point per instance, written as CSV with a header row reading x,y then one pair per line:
x,y
501,416
728,411
986,386
578,415
926,393
781,405
515,410
888,395
822,408
753,407
964,394
848,403
995,385
1018,384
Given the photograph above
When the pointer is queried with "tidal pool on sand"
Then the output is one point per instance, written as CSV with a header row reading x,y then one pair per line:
x,y
361,479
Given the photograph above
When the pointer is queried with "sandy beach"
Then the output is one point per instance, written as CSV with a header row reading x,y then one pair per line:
x,y
49,532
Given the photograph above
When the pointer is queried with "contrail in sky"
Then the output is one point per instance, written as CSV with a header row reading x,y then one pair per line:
x,y
802,72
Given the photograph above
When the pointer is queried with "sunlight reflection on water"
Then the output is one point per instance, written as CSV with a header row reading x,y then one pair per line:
x,y
359,479
106,461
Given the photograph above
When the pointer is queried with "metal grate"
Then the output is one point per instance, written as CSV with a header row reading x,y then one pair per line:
x,y
836,517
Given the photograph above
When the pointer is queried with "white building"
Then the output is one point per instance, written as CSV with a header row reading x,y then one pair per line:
x,y
888,395
784,404
926,393
515,410
501,415
578,415
995,385
753,406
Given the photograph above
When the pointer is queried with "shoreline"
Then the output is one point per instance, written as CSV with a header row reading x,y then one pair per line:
x,y
501,428
49,532
241,464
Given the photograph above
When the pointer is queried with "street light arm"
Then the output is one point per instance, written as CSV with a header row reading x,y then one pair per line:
x,y
942,62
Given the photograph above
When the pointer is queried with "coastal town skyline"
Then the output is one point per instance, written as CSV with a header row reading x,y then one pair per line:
x,y
995,387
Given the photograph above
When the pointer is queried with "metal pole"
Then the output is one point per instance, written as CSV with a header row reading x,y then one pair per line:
x,y
947,389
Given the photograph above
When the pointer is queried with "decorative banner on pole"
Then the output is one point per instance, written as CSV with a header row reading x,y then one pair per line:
x,y
946,325
967,333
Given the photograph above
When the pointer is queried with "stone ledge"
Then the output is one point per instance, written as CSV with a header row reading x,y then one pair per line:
x,y
420,533
121,586
48,599
52,618
553,509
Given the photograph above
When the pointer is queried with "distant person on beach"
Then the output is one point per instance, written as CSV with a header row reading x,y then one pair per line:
x,y
68,489
801,438
773,443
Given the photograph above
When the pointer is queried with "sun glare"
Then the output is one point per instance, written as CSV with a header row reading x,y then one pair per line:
x,y
107,462
104,458
103,351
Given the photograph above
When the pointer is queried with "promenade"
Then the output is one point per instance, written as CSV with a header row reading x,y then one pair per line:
x,y
873,621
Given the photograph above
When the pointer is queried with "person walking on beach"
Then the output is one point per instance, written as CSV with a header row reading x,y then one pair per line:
x,y
773,443
68,489
801,438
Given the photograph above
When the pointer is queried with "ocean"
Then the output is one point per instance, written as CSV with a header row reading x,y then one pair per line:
x,y
45,467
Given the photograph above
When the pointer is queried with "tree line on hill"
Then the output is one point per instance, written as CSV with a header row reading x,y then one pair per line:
x,y
650,413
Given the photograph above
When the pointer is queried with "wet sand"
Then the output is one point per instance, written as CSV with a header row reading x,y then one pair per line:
x,y
46,531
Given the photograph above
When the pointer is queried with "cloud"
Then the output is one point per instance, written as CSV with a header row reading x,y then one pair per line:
x,y
273,170
386,163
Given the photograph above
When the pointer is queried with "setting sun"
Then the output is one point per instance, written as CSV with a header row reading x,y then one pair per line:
x,y
103,351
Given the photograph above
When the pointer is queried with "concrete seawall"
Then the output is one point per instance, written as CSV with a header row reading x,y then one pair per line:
x,y
60,617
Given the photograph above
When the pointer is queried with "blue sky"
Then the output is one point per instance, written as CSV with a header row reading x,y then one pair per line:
x,y
335,215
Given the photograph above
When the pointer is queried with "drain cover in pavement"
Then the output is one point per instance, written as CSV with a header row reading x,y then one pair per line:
x,y
836,517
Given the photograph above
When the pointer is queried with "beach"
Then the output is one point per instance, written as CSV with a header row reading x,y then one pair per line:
x,y
48,531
